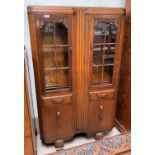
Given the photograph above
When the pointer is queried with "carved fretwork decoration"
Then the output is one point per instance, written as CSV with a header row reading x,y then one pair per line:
x,y
114,20
54,19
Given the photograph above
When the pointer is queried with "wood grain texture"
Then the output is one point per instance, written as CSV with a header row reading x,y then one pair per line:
x,y
36,66
103,110
124,96
29,132
28,146
80,68
94,105
64,113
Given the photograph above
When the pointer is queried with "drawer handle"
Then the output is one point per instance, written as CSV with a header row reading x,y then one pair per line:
x,y
101,113
58,119
101,95
58,100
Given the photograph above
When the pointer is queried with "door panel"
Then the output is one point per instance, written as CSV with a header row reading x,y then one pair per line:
x,y
101,111
104,59
104,50
58,118
55,33
54,41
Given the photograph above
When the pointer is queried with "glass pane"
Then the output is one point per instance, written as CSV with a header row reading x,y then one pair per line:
x,y
103,52
47,33
48,57
102,75
109,55
97,55
62,56
107,74
62,76
50,78
105,32
97,75
54,42
61,36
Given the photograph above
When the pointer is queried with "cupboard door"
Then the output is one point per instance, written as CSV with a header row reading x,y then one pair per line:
x,y
104,50
58,118
55,33
101,111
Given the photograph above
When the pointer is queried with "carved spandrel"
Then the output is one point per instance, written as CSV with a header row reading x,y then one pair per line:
x,y
53,19
115,21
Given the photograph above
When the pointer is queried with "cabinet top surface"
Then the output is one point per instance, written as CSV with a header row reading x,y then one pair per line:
x,y
108,10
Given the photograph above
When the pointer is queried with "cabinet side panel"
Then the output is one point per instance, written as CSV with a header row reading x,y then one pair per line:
x,y
124,95
33,38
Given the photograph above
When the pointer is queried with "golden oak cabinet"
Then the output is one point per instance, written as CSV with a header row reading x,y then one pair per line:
x,y
76,55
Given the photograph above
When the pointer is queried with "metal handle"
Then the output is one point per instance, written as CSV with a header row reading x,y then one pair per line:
x,y
58,119
101,113
58,100
101,95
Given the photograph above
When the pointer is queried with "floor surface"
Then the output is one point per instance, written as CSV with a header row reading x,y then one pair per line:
x,y
77,140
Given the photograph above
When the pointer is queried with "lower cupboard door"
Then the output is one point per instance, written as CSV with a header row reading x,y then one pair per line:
x,y
101,112
58,123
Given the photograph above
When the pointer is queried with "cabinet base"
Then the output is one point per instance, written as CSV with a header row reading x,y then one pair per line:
x,y
59,143
99,135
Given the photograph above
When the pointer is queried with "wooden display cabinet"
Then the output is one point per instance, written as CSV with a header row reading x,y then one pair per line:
x,y
76,55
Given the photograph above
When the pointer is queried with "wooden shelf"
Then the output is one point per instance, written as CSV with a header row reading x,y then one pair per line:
x,y
101,83
103,65
100,44
101,35
103,48
108,65
55,68
57,87
55,46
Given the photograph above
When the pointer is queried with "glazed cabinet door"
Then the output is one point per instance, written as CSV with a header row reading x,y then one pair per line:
x,y
104,54
55,51
104,51
54,37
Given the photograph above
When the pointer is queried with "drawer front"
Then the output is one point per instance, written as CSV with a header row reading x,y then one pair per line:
x,y
57,100
101,111
101,95
58,119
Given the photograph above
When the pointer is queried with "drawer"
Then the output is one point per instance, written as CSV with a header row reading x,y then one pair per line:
x,y
102,94
57,100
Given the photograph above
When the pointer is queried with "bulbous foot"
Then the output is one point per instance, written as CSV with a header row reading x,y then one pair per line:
x,y
99,135
59,143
